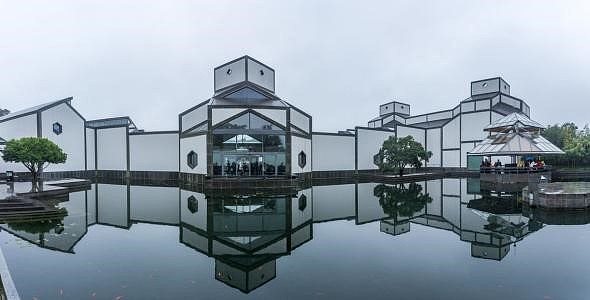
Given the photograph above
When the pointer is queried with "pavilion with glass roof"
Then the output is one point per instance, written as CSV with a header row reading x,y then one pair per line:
x,y
514,136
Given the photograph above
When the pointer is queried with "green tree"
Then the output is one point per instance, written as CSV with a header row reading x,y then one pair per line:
x,y
402,200
34,153
397,153
560,135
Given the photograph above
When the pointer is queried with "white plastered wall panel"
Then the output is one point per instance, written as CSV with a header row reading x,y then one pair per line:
x,y
198,144
261,75
402,108
467,106
237,74
482,105
332,152
451,159
154,204
368,208
472,126
196,116
333,202
301,208
154,152
71,140
487,86
25,126
221,114
111,148
369,141
300,120
90,155
451,134
434,188
417,134
433,145
198,218
299,144
277,115
466,147
113,205
496,116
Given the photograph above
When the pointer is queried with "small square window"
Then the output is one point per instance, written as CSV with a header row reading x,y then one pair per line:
x,y
57,128
192,159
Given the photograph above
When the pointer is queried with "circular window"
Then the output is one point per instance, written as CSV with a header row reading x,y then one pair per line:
x,y
261,72
228,71
484,84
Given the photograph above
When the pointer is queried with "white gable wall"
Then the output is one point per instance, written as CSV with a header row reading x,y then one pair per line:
x,y
25,126
369,141
71,140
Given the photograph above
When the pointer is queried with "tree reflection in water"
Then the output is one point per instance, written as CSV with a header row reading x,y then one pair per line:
x,y
401,200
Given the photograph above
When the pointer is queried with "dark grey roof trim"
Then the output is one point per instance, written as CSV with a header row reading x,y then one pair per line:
x,y
240,58
333,134
374,129
194,107
480,80
40,109
195,126
244,84
249,110
153,132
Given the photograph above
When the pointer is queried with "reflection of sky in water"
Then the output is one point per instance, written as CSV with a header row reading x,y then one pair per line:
x,y
366,241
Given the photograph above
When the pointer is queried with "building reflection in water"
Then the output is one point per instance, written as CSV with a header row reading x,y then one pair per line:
x,y
246,233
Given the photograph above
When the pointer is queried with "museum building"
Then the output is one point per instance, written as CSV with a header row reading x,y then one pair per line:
x,y
246,130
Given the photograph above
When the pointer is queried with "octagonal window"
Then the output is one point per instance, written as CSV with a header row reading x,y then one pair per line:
x,y
302,202
57,128
193,204
302,159
192,159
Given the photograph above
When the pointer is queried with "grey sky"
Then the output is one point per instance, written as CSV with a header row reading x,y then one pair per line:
x,y
336,60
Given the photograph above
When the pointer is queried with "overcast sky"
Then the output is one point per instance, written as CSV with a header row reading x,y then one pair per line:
x,y
335,60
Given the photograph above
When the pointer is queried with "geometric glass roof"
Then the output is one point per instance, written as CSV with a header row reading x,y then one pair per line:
x,y
515,143
516,121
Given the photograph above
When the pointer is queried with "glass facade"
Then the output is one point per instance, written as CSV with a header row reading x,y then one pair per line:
x,y
249,145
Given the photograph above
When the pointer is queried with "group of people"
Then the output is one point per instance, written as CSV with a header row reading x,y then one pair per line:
x,y
530,163
488,164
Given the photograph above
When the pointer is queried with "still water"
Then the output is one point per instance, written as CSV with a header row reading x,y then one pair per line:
x,y
440,239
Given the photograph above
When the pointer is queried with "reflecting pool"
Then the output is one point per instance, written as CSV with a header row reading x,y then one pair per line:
x,y
439,239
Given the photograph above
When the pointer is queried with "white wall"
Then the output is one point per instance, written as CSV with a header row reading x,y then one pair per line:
x,y
113,205
196,116
197,219
333,202
154,152
90,155
487,86
466,147
472,126
300,120
297,145
112,148
451,134
71,140
199,145
155,204
433,145
331,152
417,134
369,141
451,158
238,74
265,80
300,215
25,126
